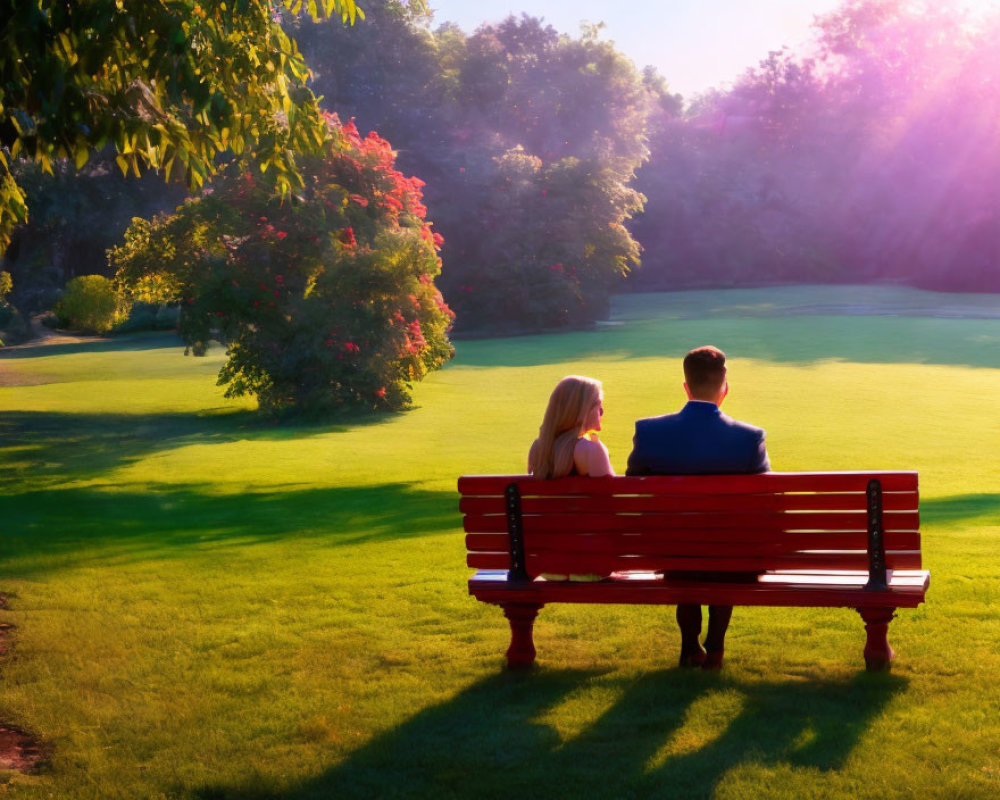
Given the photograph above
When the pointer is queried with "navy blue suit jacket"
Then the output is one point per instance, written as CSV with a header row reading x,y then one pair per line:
x,y
697,440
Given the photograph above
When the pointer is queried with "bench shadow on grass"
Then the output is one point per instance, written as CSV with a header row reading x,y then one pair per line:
x,y
491,741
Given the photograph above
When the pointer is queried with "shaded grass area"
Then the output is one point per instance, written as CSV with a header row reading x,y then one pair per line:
x,y
69,527
137,342
797,325
44,447
210,605
982,508
641,744
798,340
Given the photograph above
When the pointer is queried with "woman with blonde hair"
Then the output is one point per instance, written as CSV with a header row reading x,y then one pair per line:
x,y
567,442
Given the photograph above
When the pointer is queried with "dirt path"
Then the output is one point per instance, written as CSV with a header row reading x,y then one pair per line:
x,y
45,335
19,750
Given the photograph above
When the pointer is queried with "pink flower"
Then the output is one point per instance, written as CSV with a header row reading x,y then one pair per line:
x,y
281,234
380,392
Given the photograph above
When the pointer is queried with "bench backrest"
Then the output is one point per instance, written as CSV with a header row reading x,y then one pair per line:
x,y
773,521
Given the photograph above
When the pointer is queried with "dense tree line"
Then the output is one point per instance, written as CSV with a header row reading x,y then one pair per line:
x,y
872,159
870,156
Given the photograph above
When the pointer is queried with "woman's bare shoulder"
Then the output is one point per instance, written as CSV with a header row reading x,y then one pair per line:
x,y
591,445
591,457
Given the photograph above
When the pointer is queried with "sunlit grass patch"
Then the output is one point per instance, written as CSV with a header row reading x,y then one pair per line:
x,y
211,605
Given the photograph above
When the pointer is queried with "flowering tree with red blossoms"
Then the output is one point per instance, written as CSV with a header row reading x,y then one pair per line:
x,y
324,301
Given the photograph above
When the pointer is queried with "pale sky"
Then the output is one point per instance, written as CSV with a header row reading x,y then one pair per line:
x,y
695,44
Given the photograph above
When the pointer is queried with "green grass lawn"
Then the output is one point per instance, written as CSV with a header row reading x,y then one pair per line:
x,y
208,605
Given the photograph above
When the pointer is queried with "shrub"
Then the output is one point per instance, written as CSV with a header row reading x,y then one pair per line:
x,y
14,326
89,304
325,302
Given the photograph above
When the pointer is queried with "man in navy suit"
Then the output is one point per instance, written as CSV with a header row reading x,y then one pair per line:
x,y
700,440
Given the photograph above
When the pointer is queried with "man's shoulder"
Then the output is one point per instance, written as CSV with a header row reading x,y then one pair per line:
x,y
743,426
652,422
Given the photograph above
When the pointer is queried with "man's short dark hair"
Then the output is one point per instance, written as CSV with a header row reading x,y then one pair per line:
x,y
705,370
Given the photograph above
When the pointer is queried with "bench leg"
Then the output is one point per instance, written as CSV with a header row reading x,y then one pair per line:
x,y
878,653
521,653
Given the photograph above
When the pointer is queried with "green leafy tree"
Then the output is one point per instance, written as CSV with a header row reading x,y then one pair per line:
x,y
528,141
324,302
169,85
553,131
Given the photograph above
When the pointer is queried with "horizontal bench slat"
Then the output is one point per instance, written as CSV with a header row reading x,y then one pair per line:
x,y
602,565
839,501
481,560
652,543
485,485
718,520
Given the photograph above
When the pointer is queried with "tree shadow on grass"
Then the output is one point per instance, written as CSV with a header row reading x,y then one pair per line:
x,y
800,340
958,508
56,528
47,448
490,740
40,348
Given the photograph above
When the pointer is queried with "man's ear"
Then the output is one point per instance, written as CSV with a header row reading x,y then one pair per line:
x,y
723,393
687,391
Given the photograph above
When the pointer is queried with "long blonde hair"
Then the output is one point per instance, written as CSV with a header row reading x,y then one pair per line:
x,y
564,423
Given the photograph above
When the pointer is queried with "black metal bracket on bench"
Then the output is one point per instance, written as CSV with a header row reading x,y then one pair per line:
x,y
877,579
515,530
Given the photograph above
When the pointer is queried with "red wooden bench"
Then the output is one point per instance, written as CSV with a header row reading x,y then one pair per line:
x,y
822,539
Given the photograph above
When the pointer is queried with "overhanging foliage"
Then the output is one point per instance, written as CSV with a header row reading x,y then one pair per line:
x,y
168,84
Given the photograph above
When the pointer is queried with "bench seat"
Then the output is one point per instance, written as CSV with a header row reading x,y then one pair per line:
x,y
906,589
